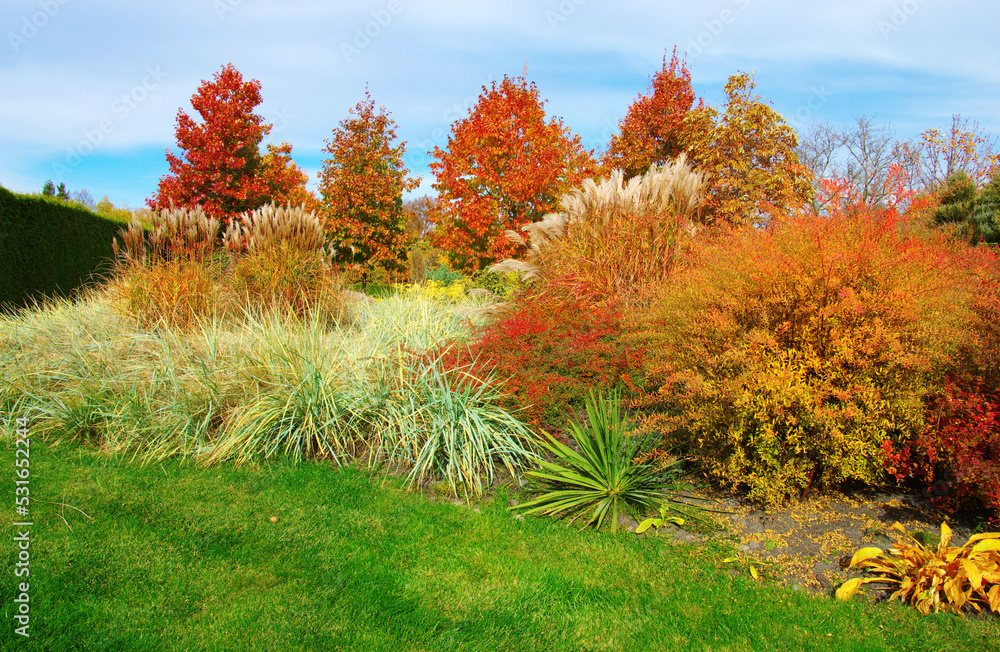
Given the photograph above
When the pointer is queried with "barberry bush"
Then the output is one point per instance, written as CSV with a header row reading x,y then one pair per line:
x,y
956,455
551,352
784,357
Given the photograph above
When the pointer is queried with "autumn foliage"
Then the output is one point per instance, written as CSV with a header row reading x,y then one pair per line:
x,y
745,150
362,184
221,168
956,454
747,153
505,165
654,130
549,354
785,357
612,239
963,147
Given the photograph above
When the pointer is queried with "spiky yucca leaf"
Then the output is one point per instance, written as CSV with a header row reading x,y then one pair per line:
x,y
601,480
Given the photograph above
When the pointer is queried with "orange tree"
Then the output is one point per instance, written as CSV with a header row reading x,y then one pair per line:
x,y
654,128
362,185
505,166
221,167
746,150
286,182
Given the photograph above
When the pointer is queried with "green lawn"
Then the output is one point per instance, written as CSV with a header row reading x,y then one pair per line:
x,y
183,557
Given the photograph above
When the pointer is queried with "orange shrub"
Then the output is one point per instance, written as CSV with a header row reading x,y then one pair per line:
x,y
783,358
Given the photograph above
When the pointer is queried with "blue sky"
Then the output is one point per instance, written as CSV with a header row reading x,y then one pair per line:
x,y
90,89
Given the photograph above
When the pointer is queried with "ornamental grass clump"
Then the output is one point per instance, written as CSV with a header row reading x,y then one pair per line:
x,y
270,384
177,270
452,427
945,578
281,262
172,233
612,238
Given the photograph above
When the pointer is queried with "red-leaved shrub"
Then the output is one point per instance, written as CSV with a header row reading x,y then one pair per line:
x,y
550,353
958,454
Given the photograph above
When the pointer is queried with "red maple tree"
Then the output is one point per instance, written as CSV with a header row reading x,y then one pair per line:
x,y
286,181
654,129
362,186
504,166
221,167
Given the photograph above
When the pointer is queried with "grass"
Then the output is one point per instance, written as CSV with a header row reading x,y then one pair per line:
x,y
174,554
180,557
269,384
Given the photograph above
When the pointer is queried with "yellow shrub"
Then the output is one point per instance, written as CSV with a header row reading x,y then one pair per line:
x,y
436,291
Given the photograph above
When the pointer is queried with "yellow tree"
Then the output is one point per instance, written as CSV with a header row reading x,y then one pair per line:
x,y
747,153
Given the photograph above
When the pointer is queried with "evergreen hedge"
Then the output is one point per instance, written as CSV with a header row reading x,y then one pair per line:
x,y
49,247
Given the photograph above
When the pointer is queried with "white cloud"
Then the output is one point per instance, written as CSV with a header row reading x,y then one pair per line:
x,y
426,60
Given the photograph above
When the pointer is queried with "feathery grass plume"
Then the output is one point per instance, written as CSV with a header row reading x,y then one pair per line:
x,y
273,224
281,261
612,239
166,271
173,233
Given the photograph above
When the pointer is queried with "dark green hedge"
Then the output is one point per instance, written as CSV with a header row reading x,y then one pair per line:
x,y
49,247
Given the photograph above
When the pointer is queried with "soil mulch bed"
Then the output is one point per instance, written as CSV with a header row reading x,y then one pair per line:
x,y
808,545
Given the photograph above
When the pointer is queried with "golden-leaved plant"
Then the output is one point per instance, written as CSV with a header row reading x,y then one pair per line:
x,y
945,577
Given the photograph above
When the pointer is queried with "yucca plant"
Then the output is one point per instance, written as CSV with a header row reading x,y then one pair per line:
x,y
602,480
945,577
